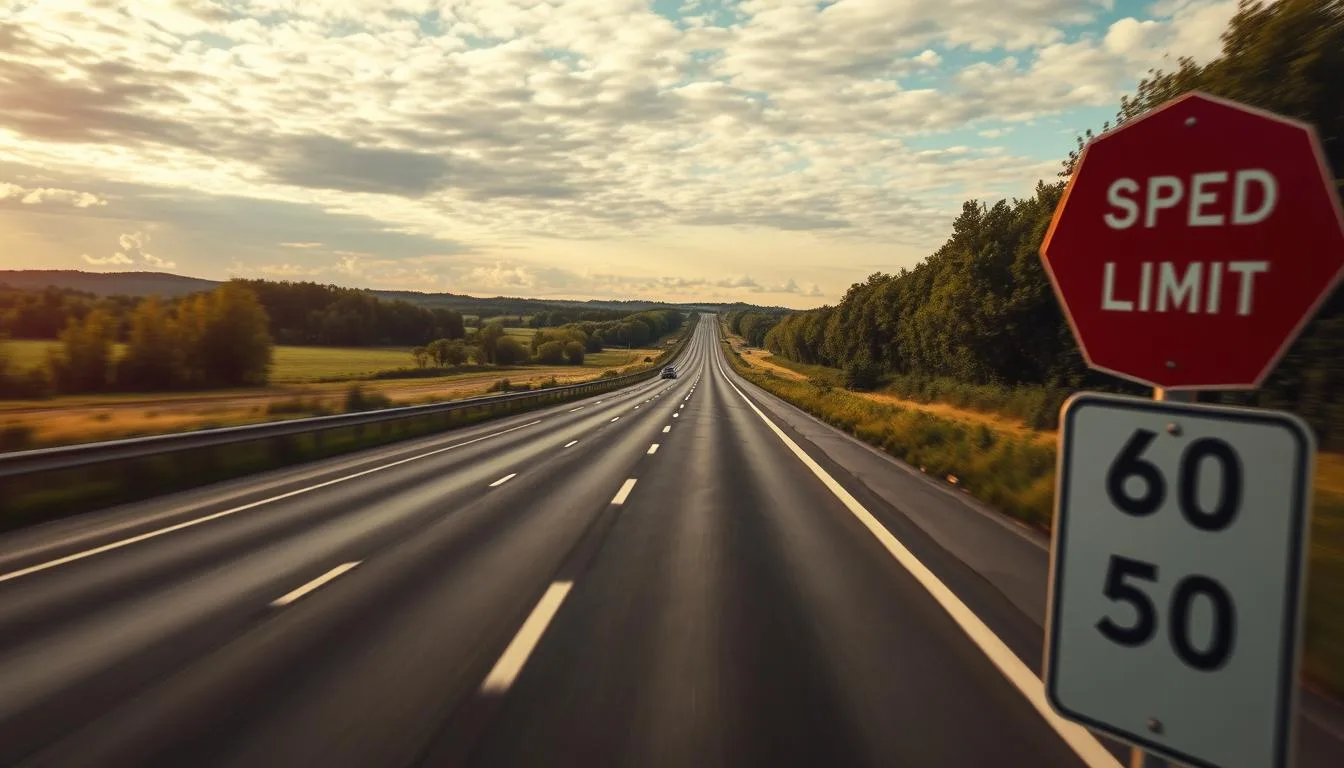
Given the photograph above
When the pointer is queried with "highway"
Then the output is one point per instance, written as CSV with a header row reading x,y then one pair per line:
x,y
683,573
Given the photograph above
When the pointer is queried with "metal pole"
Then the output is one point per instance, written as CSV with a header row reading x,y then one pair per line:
x,y
1137,757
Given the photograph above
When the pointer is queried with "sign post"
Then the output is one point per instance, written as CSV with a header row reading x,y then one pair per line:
x,y
1191,247
1176,577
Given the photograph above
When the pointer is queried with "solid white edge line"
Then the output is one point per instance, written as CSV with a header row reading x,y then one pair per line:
x,y
286,599
243,508
511,662
667,429
624,493
1082,742
503,480
571,443
652,449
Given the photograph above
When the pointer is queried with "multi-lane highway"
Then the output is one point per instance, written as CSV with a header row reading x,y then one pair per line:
x,y
684,573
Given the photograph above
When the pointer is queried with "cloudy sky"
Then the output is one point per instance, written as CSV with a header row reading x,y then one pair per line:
x,y
773,151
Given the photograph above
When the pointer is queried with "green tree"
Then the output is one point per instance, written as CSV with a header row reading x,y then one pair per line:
x,y
85,361
153,359
551,353
235,341
421,356
509,351
574,352
487,342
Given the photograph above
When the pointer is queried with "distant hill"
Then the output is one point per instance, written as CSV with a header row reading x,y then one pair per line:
x,y
173,286
107,283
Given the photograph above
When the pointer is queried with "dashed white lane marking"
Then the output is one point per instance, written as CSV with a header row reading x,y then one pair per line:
x,y
571,443
286,599
616,419
1083,743
580,408
676,415
503,480
624,493
653,449
511,662
253,505
667,429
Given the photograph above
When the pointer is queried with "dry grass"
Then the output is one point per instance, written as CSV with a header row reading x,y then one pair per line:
x,y
88,418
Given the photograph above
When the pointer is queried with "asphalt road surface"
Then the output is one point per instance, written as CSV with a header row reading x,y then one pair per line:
x,y
684,573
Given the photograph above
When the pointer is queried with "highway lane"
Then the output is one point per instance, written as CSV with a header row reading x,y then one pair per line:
x,y
93,611
509,596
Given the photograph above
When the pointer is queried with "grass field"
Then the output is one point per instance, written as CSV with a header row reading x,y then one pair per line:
x,y
304,381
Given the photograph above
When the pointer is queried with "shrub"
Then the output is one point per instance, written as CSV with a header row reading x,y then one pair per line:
x,y
356,399
861,376
509,351
551,353
502,385
574,352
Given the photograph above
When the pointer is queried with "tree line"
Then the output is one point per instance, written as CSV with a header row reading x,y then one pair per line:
x,y
298,314
208,340
565,345
980,309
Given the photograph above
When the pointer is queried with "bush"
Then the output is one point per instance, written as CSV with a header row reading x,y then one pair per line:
x,y
551,353
356,399
503,385
509,351
574,352
861,376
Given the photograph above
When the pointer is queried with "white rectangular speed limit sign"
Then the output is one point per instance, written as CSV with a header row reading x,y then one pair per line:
x,y
1176,577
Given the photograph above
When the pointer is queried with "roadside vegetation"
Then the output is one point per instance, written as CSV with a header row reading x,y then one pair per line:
x,y
121,369
1011,467
959,365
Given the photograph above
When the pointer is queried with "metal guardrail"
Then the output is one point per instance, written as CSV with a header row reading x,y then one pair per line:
x,y
86,454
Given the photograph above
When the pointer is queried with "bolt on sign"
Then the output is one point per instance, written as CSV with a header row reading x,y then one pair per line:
x,y
1194,243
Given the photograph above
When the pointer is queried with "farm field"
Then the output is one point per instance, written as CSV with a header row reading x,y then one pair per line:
x,y
304,381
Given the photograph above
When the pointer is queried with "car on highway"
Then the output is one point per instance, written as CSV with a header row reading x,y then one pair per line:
x,y
669,372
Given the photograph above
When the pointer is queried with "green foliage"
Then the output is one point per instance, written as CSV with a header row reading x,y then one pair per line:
x,y
85,361
551,353
509,351
446,353
980,312
574,353
861,375
487,343
421,357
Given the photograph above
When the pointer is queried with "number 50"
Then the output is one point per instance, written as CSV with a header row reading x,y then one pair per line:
x,y
1123,572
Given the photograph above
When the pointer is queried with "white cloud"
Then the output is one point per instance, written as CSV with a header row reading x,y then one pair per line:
x,y
115,259
45,195
499,123
131,253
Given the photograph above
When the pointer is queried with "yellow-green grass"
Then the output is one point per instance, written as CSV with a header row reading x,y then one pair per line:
x,y
1015,473
290,364
303,364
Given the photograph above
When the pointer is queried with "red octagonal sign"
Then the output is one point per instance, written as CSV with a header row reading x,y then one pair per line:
x,y
1194,243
